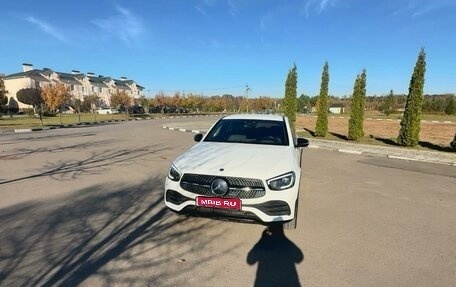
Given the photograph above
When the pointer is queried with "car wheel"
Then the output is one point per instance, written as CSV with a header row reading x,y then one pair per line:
x,y
292,224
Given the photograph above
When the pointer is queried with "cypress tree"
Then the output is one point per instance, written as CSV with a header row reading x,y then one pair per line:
x,y
450,106
321,128
387,106
409,134
355,124
290,99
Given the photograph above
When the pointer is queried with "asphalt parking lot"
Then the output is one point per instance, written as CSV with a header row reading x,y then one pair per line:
x,y
83,207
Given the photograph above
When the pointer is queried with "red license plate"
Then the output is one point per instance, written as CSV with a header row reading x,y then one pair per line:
x,y
217,202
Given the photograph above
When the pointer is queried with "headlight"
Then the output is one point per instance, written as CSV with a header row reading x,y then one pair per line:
x,y
282,182
174,174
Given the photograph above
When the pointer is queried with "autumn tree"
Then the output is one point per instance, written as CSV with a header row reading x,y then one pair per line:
x,y
121,100
176,100
91,101
55,96
243,105
321,128
355,123
409,134
161,100
32,96
195,102
214,104
230,102
261,104
144,102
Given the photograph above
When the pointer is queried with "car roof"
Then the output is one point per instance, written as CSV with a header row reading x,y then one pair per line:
x,y
268,117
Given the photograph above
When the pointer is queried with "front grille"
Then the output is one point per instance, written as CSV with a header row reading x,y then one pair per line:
x,y
239,187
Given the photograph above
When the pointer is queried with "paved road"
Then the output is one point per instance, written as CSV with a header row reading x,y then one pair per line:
x,y
84,207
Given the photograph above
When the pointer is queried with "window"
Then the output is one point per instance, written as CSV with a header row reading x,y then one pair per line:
x,y
249,131
72,87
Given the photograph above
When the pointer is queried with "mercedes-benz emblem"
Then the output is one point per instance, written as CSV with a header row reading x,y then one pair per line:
x,y
219,186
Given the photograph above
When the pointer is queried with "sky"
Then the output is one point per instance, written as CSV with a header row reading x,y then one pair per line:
x,y
216,47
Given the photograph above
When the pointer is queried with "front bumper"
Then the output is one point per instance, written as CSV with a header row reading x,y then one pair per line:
x,y
273,206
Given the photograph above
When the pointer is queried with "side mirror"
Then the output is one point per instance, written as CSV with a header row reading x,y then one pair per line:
x,y
198,137
302,142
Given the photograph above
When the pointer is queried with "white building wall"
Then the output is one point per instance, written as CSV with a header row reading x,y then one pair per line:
x,y
14,85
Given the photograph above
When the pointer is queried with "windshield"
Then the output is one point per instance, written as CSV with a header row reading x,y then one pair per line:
x,y
249,131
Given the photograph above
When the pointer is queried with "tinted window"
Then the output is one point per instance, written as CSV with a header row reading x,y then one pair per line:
x,y
249,131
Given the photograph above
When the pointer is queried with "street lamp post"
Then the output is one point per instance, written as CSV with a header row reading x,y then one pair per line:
x,y
247,89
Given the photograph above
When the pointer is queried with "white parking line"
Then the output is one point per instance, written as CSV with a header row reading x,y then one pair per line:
x,y
401,157
349,151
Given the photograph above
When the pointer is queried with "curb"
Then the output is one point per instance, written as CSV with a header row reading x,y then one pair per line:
x,y
46,128
182,130
345,150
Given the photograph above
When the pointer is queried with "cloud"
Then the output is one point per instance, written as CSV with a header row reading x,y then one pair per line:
x,y
317,6
417,8
266,20
431,6
47,28
232,8
201,11
125,25
209,2
228,6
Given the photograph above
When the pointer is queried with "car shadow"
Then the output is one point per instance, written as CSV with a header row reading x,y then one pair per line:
x,y
276,256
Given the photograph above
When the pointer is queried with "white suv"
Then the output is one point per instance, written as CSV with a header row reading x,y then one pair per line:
x,y
246,167
106,111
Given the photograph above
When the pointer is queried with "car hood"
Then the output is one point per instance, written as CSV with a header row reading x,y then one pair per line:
x,y
237,159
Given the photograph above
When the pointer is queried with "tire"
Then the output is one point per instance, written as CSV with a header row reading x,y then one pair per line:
x,y
292,224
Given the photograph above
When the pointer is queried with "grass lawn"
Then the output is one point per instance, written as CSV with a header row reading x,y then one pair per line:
x,y
19,122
